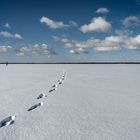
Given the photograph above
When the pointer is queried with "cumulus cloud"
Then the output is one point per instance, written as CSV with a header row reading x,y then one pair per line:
x,y
52,24
81,45
73,23
10,35
57,24
131,21
98,24
78,51
39,49
102,10
6,34
105,49
42,49
61,38
7,25
72,51
56,38
110,43
124,32
20,54
18,36
5,48
65,40
69,45
133,43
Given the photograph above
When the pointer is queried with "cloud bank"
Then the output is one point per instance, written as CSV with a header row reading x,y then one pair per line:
x,y
41,49
108,44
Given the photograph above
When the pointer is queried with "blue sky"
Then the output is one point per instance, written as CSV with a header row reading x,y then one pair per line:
x,y
69,30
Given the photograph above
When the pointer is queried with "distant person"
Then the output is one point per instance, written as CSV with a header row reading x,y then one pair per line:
x,y
6,63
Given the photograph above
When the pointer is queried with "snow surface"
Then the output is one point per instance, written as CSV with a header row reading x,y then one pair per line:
x,y
95,102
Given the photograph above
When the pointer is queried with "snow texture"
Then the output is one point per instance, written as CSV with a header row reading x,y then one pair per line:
x,y
95,102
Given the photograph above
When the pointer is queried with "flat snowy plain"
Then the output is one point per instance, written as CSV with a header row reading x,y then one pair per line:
x,y
95,102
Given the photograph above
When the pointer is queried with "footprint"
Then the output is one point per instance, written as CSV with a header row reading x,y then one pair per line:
x,y
55,86
42,95
51,90
35,106
60,82
63,78
7,121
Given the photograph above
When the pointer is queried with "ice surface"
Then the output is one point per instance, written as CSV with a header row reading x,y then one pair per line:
x,y
96,102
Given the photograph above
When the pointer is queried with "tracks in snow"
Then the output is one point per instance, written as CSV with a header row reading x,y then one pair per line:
x,y
11,119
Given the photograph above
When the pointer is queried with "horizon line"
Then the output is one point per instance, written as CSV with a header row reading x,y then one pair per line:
x,y
70,62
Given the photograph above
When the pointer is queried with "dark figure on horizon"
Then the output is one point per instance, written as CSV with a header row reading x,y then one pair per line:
x,y
6,63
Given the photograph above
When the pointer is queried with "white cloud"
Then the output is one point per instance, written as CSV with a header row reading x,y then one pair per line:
x,y
69,45
98,24
73,23
72,51
24,49
121,40
56,38
42,49
105,49
80,44
10,35
124,32
20,54
7,25
18,36
53,24
65,40
111,43
131,21
78,51
60,38
102,10
5,48
57,24
133,43
6,34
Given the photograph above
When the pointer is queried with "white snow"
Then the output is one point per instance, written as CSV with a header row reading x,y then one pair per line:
x,y
96,102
